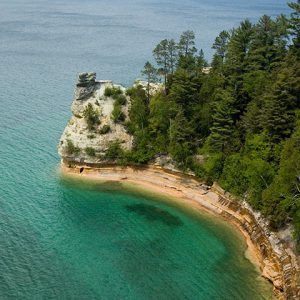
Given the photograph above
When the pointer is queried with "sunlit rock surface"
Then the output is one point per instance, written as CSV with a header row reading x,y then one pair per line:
x,y
90,91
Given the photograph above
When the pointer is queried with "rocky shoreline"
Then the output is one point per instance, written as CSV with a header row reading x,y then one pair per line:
x,y
276,257
83,151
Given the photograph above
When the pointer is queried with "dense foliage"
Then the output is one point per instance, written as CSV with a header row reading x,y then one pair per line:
x,y
90,151
91,116
239,123
117,113
71,149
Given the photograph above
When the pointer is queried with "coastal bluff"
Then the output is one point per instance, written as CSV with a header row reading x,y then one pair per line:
x,y
83,151
78,137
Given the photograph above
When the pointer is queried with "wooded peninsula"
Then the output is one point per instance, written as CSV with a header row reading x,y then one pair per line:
x,y
235,121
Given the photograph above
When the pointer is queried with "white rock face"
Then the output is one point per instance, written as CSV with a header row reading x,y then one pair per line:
x,y
153,87
88,90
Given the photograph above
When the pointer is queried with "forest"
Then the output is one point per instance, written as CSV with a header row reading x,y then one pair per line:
x,y
235,121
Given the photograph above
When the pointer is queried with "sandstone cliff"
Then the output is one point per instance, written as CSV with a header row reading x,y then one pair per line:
x,y
83,143
83,146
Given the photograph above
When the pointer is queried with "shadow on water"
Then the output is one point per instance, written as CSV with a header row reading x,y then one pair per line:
x,y
153,213
92,185
150,212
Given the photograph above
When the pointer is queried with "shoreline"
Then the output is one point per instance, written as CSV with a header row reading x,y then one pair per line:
x,y
189,191
250,252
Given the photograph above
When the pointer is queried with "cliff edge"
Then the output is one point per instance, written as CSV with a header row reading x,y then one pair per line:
x,y
100,110
95,123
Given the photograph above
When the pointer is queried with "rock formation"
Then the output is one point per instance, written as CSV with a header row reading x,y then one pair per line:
x,y
85,85
79,143
83,146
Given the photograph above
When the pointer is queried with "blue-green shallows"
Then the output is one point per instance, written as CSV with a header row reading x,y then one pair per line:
x,y
65,240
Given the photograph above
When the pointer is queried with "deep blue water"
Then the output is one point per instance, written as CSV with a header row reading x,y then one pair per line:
x,y
63,240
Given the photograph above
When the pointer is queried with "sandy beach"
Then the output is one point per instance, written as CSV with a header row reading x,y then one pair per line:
x,y
157,181
265,250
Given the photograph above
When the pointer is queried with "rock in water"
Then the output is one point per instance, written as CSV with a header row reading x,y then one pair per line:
x,y
85,85
80,143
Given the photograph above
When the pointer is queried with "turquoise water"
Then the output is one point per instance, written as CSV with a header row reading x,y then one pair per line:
x,y
65,240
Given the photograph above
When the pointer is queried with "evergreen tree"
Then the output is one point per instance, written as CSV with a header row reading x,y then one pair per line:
x,y
166,56
187,51
179,136
172,55
222,121
200,63
159,121
280,103
294,24
221,44
151,74
236,63
161,56
91,116
242,117
139,109
252,119
238,48
268,46
186,44
184,90
282,198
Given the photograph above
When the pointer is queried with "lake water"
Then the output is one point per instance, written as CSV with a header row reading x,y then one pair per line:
x,y
67,240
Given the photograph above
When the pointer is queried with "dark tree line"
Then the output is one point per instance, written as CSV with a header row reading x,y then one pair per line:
x,y
240,123
169,56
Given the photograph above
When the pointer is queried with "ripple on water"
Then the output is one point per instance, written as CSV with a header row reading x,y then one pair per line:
x,y
62,240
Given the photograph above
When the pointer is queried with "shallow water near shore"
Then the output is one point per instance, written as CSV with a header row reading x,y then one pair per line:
x,y
65,240
159,247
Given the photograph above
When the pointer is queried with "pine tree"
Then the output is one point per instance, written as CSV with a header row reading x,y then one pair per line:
x,y
268,46
221,45
187,51
172,55
238,48
236,63
161,55
91,116
180,138
252,119
184,90
186,43
282,198
200,63
239,116
280,103
294,24
139,109
151,74
222,121
159,121
166,56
